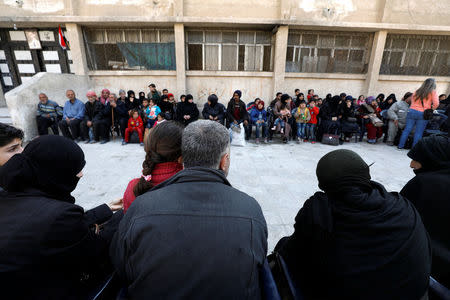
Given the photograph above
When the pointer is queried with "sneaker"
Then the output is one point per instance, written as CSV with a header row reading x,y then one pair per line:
x,y
93,142
257,141
273,128
124,143
313,142
266,141
104,142
390,143
305,140
142,144
299,139
285,140
347,139
282,130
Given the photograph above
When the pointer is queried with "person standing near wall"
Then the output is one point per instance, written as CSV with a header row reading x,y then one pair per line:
x,y
424,98
47,115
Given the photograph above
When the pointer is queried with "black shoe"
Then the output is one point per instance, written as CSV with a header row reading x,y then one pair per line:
x,y
104,142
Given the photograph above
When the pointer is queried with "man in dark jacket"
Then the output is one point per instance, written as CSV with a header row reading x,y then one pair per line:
x,y
237,114
213,110
48,244
428,191
356,240
193,236
92,114
114,110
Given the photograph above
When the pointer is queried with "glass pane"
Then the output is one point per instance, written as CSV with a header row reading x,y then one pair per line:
x,y
267,58
98,57
293,39
166,36
229,37
114,57
195,36
425,62
229,57
359,41
241,58
396,60
96,36
253,59
263,37
324,52
211,57
326,40
149,36
398,43
444,44
246,37
290,54
309,39
212,36
411,58
430,44
357,55
414,44
195,57
132,36
342,41
114,36
442,65
340,55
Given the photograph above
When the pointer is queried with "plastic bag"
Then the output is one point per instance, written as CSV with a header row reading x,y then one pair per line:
x,y
237,135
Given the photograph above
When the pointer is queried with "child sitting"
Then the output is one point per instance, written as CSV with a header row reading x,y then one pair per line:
x,y
152,113
282,118
302,117
161,119
134,124
258,116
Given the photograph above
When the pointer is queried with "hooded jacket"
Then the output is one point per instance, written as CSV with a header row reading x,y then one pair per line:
x,y
192,237
398,111
47,242
215,110
243,114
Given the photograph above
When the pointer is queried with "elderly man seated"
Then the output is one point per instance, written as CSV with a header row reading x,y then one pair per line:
x,y
48,113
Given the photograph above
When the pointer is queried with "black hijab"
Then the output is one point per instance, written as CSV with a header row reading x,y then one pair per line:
x,y
433,153
49,163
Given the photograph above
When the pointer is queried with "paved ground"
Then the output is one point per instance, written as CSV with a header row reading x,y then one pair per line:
x,y
281,177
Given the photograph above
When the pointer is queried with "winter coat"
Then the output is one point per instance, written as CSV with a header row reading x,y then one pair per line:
x,y
190,109
329,110
192,237
50,108
156,96
132,123
167,108
93,111
398,111
243,114
256,113
428,191
357,245
302,115
314,114
218,110
120,112
136,104
152,113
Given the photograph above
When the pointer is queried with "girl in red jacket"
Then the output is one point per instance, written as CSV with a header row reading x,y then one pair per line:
x,y
134,124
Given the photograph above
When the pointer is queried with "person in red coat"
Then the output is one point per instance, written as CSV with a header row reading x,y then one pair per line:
x,y
134,124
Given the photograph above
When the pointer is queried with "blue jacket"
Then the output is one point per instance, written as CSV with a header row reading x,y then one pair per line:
x,y
255,114
75,110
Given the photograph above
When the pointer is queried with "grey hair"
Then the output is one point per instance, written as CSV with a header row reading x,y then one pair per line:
x,y
204,143
71,91
425,89
113,94
122,91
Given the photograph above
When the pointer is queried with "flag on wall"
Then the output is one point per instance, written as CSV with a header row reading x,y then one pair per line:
x,y
62,38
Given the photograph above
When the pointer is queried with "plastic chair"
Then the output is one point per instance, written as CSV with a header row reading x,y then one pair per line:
x,y
438,290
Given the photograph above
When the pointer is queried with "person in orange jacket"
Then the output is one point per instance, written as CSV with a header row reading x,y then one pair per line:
x,y
135,123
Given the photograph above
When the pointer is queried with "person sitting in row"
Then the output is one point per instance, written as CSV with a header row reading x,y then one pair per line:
x,y
162,117
329,116
355,239
151,112
192,236
131,102
397,117
135,124
213,110
93,113
428,191
371,112
11,140
302,117
167,107
187,111
282,104
114,116
73,114
311,126
283,119
348,118
253,104
237,114
182,98
299,98
46,240
48,114
258,116
104,97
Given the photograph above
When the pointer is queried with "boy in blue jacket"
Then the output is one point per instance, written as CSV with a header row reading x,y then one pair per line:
x,y
258,116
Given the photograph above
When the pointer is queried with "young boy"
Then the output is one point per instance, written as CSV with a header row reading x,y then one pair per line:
x,y
302,117
282,119
311,126
10,142
134,124
152,113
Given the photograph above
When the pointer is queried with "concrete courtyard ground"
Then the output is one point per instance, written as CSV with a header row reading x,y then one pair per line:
x,y
280,177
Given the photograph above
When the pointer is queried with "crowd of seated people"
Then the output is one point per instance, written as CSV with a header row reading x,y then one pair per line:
x,y
182,231
396,122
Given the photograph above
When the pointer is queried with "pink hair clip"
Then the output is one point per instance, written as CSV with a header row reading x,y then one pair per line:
x,y
147,177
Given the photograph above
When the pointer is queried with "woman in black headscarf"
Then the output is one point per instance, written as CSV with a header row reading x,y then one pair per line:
x,y
329,117
187,111
428,191
48,244
131,102
213,110
356,240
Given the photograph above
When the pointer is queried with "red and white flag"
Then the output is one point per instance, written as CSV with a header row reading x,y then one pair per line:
x,y
62,39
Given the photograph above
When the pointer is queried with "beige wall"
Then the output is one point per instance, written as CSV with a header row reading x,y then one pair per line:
x,y
402,84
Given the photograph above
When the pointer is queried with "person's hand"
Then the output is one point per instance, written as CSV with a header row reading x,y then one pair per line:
x,y
245,122
211,117
48,116
116,204
365,117
113,104
67,120
216,118
188,117
89,123
334,119
396,123
235,122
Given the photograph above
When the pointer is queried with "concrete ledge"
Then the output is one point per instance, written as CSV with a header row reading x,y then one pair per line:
x,y
133,73
22,101
412,78
227,74
326,75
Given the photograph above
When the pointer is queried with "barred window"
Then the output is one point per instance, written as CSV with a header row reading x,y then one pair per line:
x,y
328,52
229,50
130,49
416,55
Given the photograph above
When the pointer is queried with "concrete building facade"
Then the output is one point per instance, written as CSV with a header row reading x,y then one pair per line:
x,y
204,47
